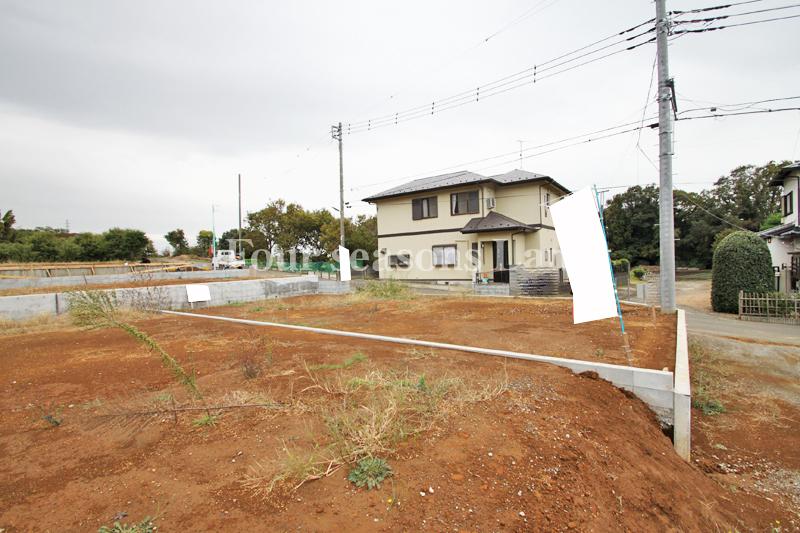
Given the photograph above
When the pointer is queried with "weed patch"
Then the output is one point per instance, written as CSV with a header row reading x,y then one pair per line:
x,y
205,421
354,359
370,472
706,380
390,289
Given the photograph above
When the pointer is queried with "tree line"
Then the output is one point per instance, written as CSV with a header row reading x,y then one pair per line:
x,y
743,199
280,226
58,245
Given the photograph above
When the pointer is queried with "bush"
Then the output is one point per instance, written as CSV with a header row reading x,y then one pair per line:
x,y
390,289
639,273
741,263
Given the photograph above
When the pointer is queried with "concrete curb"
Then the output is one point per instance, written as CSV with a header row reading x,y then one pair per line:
x,y
654,387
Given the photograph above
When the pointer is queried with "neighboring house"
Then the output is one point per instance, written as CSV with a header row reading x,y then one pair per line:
x,y
784,240
464,226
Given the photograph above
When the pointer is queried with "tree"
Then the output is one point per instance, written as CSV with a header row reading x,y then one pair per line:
x,y
745,194
92,246
7,226
741,263
265,225
631,220
177,239
125,244
772,220
205,239
359,234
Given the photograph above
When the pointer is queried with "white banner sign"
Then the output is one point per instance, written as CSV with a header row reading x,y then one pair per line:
x,y
585,253
344,264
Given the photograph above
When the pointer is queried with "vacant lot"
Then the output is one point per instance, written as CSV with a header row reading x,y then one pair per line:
x,y
94,428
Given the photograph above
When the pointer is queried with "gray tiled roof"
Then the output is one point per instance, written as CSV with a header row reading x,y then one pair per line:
x,y
462,177
784,230
782,173
494,221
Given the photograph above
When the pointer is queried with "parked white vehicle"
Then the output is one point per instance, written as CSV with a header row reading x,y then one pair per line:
x,y
226,259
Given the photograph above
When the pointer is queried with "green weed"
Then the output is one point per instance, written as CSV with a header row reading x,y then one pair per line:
x,y
370,472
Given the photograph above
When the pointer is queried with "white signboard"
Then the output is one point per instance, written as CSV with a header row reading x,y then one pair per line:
x,y
344,263
198,293
585,253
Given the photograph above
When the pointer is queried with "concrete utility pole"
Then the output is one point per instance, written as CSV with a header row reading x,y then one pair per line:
x,y
336,133
666,231
239,243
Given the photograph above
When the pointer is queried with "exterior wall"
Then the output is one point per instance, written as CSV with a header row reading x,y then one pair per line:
x,y
419,247
791,183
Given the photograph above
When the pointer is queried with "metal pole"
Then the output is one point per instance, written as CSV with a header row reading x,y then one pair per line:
x,y
239,243
213,232
666,232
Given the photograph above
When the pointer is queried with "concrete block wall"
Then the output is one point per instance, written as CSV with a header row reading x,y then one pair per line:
x,y
164,296
491,289
63,281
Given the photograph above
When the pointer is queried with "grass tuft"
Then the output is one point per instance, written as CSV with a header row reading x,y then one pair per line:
x,y
354,359
370,472
389,289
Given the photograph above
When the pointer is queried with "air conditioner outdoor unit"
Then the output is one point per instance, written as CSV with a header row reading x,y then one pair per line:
x,y
490,203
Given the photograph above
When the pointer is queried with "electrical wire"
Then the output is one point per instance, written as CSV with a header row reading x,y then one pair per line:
x,y
726,26
722,17
713,8
757,112
498,86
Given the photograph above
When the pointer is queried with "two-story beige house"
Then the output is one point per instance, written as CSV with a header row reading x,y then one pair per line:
x,y
783,241
466,227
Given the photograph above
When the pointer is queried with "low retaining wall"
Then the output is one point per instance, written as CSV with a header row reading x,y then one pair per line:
x,y
63,281
164,296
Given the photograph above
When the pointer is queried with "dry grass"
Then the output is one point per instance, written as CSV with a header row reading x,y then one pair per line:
x,y
375,412
707,375
39,324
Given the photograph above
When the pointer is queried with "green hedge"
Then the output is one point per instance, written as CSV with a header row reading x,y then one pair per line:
x,y
741,263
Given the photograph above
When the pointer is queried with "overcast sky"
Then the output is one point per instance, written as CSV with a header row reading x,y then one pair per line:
x,y
141,114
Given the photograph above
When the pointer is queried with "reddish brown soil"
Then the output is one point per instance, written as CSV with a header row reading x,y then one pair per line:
x,y
120,285
570,452
538,326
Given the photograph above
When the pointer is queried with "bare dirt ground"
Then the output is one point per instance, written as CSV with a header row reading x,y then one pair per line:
x,y
511,446
749,443
539,326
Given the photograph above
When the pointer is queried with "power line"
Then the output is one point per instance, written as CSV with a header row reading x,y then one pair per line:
x,y
740,107
726,26
505,154
639,126
512,81
757,112
722,17
713,8
686,197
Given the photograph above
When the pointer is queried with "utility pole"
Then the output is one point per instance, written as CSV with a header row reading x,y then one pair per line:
x,y
336,133
239,242
666,228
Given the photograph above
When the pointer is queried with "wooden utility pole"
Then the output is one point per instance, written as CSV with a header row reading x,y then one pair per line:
x,y
666,229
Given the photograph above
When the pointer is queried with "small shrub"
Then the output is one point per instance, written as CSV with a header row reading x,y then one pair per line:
x,y
709,406
741,263
207,420
639,273
51,416
145,526
370,472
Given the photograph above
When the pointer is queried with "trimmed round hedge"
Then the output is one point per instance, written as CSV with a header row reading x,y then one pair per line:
x,y
741,263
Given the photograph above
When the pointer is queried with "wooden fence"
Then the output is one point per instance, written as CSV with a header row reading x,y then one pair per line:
x,y
770,307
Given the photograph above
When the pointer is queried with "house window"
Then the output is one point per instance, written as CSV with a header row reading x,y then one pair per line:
x,y
474,253
788,204
444,255
546,204
424,208
399,260
464,203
